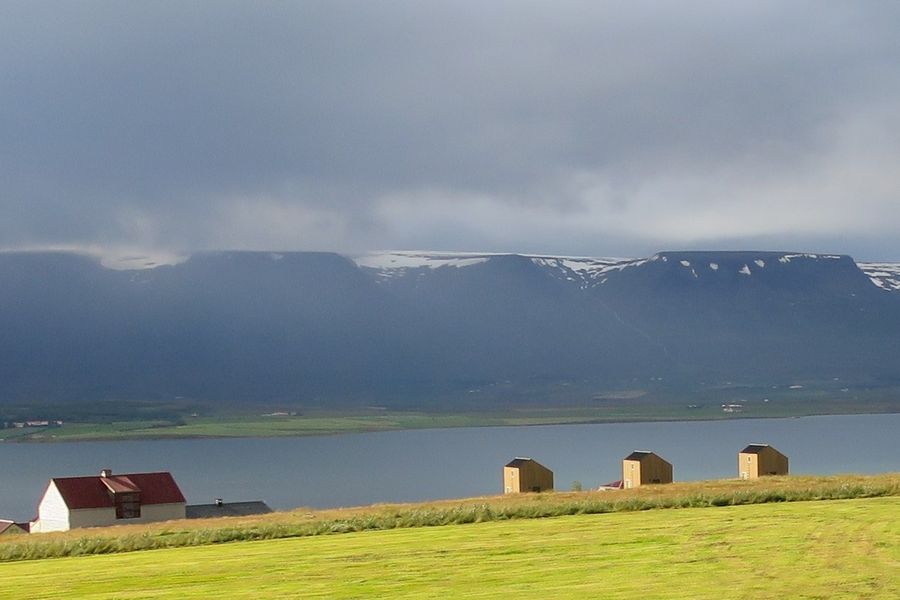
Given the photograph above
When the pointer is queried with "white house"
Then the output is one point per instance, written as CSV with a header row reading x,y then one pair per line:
x,y
107,499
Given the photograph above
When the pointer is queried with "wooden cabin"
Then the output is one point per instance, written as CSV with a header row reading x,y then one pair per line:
x,y
643,467
759,460
526,475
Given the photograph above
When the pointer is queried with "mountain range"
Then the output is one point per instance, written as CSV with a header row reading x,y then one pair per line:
x,y
428,328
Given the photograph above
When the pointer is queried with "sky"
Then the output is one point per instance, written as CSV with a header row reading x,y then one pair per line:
x,y
598,128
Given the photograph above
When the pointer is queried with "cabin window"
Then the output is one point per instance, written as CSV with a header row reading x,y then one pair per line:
x,y
128,506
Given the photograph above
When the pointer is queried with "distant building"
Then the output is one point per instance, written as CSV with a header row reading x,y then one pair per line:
x,y
11,528
612,485
526,475
107,499
758,460
226,509
643,467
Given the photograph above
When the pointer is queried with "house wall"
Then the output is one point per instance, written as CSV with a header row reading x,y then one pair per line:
x,y
102,517
53,514
92,517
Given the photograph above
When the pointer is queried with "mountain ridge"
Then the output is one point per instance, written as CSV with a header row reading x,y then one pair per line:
x,y
425,327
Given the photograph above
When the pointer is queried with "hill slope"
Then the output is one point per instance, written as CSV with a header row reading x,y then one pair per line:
x,y
833,549
415,329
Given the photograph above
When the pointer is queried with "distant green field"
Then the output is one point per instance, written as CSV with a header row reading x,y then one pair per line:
x,y
827,549
233,422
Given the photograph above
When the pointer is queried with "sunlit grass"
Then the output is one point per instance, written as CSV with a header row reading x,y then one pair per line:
x,y
825,549
309,523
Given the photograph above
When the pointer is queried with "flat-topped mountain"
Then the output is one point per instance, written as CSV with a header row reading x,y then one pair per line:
x,y
421,327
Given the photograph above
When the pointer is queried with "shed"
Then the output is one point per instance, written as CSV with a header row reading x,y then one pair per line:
x,y
226,509
11,528
759,460
526,475
107,499
643,467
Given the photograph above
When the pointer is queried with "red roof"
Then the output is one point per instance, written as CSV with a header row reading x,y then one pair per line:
x,y
97,492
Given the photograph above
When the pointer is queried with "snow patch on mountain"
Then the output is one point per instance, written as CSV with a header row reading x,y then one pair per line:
x,y
396,264
789,257
884,275
588,272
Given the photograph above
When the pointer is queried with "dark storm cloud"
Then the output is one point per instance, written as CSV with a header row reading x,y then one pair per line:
x,y
577,127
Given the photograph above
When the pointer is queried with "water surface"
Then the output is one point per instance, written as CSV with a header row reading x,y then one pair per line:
x,y
400,466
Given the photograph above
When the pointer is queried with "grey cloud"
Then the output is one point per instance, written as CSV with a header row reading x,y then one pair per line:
x,y
354,125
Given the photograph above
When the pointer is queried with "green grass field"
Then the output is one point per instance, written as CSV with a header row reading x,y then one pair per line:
x,y
821,549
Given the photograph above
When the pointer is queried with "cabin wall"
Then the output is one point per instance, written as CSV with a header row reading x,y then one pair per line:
x,y
772,462
748,466
655,470
631,474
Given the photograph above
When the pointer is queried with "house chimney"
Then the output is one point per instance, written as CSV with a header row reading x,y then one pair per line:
x,y
218,502
105,472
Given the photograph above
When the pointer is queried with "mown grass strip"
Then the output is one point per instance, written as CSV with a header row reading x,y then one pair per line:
x,y
298,524
843,549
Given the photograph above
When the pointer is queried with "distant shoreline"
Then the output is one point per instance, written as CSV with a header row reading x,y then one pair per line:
x,y
351,422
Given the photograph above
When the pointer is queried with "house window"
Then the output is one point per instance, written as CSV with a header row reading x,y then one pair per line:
x,y
128,506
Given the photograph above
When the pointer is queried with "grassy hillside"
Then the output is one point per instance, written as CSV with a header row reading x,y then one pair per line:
x,y
306,523
819,549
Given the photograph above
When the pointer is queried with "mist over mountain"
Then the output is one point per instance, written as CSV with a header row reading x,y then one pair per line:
x,y
418,328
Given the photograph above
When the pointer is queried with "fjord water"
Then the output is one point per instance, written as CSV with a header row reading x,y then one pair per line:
x,y
399,466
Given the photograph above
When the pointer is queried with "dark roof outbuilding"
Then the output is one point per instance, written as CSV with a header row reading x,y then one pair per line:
x,y
226,509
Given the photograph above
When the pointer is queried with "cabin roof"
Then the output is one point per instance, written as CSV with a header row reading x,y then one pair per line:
x,y
755,448
97,491
638,455
520,461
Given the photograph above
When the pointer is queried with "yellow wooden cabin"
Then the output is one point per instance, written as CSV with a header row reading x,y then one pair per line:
x,y
526,475
643,467
759,460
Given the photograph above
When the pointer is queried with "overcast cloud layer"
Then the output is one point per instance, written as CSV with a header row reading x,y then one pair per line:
x,y
590,128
